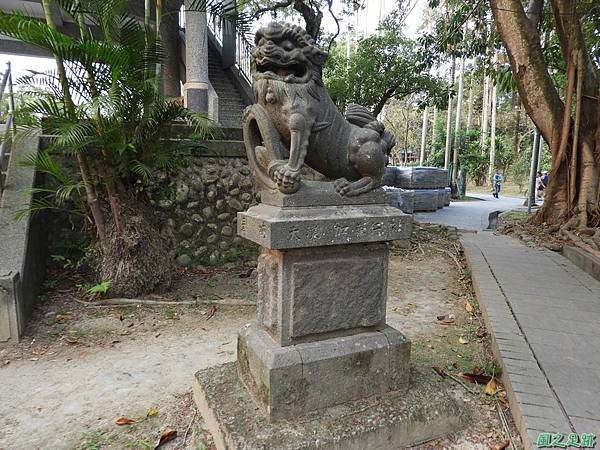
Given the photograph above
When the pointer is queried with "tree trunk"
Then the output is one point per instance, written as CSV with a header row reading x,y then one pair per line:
x,y
491,167
572,194
485,112
449,119
470,110
424,135
406,136
433,125
456,149
159,69
389,93
517,136
136,259
312,18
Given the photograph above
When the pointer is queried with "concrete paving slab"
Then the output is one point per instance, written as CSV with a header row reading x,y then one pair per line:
x,y
544,332
586,425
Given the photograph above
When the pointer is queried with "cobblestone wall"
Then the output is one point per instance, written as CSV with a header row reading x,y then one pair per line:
x,y
197,206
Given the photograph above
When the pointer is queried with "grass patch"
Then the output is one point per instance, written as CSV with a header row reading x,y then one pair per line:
x,y
95,440
514,216
509,189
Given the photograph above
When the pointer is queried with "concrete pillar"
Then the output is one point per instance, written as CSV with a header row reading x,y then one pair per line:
x,y
169,34
196,59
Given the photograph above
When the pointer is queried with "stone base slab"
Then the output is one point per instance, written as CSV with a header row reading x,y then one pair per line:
x,y
390,422
319,193
278,228
290,382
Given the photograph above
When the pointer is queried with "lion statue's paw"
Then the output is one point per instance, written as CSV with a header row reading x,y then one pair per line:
x,y
342,186
288,180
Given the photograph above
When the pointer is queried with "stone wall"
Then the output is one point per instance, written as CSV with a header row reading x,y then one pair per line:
x,y
197,207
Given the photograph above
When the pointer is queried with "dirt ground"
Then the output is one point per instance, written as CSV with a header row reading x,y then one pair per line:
x,y
80,368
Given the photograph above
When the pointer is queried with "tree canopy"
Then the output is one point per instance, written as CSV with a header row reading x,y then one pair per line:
x,y
382,66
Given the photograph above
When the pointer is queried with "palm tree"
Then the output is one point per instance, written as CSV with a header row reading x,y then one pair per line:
x,y
104,107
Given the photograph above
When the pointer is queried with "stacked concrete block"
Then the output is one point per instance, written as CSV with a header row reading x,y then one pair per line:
x,y
441,198
426,200
415,189
421,178
404,199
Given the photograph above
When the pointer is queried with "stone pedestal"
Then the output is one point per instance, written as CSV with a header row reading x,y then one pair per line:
x,y
320,338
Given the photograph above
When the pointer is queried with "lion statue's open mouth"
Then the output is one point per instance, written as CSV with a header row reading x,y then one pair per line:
x,y
274,69
287,54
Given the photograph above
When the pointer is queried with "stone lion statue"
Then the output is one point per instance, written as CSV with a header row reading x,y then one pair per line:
x,y
295,122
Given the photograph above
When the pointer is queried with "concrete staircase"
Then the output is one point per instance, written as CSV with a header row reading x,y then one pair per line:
x,y
231,103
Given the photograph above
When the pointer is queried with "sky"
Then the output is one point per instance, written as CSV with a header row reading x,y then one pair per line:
x,y
368,20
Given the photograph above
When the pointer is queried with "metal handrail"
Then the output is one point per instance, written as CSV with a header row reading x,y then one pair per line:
x,y
215,24
10,123
243,56
243,48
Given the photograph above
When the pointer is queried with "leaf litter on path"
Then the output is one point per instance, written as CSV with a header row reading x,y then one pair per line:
x,y
165,437
124,421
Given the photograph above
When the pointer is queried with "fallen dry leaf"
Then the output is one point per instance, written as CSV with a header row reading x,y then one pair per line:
x,y
476,378
439,371
446,319
468,307
501,446
60,318
491,387
167,436
211,312
124,421
462,340
152,412
502,398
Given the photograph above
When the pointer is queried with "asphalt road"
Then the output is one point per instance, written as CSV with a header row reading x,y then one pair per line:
x,y
470,215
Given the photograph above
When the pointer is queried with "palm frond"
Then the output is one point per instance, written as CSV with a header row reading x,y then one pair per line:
x,y
32,31
36,206
69,192
72,135
43,162
140,169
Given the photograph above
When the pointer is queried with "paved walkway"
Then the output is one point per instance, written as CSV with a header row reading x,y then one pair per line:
x,y
470,215
543,313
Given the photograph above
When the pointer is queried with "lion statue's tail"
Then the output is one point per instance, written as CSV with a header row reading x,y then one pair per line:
x,y
360,116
